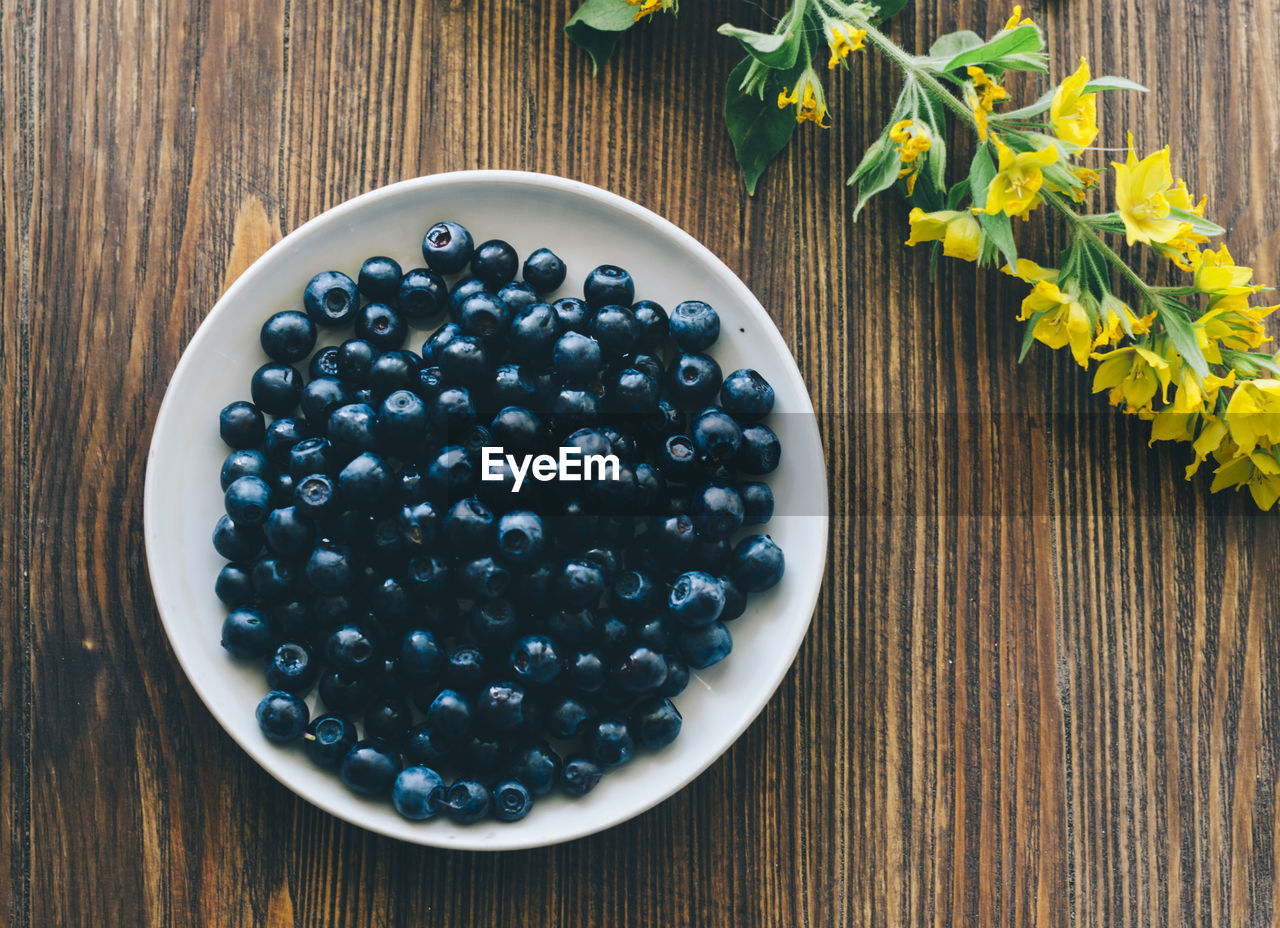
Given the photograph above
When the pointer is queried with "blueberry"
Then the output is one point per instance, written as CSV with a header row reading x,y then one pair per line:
x,y
468,801
248,501
516,428
424,746
418,524
315,496
452,414
537,767
420,656
757,563
366,481
351,429
735,600
649,364
328,739
696,599
355,359
692,381
701,647
634,594
716,436
494,624
449,714
677,458
651,324
670,539
520,537
572,409
640,671
717,511
568,717
468,527
656,723
236,542
369,768
233,586
321,396
324,363
451,473
632,392
533,331
282,435
350,650
501,707
418,793
746,395
381,326
534,659
311,456
331,298
573,314
572,627
462,291
288,336
544,271
447,247
246,633
757,503
511,801
760,451
609,743
694,326
421,293
495,262
579,584
244,463
483,316
609,285
395,370
465,669
576,358
616,330
241,425
292,669
677,676
273,579
282,716
379,278
579,775
342,693
483,578
387,718
517,295
464,361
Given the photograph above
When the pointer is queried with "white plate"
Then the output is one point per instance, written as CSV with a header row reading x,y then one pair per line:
x,y
587,227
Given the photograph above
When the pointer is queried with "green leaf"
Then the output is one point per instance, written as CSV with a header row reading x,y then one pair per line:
x,y
1000,230
953,43
1008,44
878,174
777,50
1197,223
1256,361
981,171
758,127
598,25
1032,109
1029,334
957,193
1113,83
1182,335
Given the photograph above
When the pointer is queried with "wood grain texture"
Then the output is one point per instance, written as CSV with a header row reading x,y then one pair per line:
x,y
1040,687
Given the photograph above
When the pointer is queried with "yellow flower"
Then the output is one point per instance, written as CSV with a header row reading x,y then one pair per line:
x,y
1074,113
807,98
649,7
1141,197
982,95
1111,322
1063,320
958,231
913,141
1204,431
1232,321
1217,274
1031,272
1013,20
1258,470
842,39
1253,414
1133,374
1015,188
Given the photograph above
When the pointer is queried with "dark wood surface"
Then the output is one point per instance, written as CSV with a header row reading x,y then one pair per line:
x,y
1040,687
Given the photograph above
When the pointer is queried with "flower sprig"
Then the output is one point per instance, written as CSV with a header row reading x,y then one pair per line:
x,y
1188,358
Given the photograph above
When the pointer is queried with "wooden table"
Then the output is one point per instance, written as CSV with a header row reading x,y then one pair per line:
x,y
1041,685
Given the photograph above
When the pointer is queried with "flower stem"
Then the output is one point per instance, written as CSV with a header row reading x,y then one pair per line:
x,y
909,64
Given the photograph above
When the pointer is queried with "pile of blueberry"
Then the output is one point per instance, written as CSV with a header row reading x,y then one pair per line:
x,y
493,643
